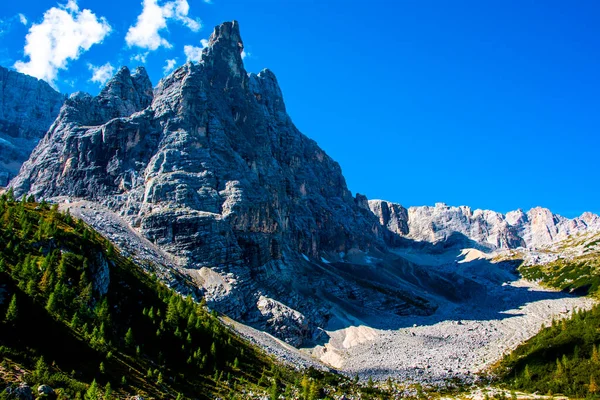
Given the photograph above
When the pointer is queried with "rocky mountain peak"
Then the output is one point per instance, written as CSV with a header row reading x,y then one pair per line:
x,y
216,175
483,228
224,51
123,95
28,107
126,93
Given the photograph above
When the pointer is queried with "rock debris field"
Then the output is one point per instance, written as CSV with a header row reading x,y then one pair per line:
x,y
455,342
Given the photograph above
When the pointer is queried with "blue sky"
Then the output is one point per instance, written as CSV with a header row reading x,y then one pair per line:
x,y
492,104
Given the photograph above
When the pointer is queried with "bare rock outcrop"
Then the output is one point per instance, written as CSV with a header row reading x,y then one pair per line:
x,y
28,107
488,229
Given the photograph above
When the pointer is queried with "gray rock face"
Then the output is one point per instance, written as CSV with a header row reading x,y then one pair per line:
x,y
211,169
28,107
489,229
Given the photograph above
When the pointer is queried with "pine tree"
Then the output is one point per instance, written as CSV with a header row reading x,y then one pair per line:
x,y
108,391
274,391
129,338
559,369
314,391
12,313
527,374
172,315
92,393
47,280
41,371
51,305
593,387
305,387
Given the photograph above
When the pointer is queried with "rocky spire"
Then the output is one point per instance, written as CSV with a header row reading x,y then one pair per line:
x,y
224,50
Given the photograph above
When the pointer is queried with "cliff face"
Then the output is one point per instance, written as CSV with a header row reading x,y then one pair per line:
x,y
213,151
211,169
490,229
27,109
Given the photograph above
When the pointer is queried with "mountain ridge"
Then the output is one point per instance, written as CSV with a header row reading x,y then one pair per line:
x,y
532,229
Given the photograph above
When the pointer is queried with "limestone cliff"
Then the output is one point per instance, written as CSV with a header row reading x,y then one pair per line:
x,y
28,107
489,229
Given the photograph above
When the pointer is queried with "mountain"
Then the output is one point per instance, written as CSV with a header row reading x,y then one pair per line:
x,y
489,229
28,107
80,320
210,169
205,181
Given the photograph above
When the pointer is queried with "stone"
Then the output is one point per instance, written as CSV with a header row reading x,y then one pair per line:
x,y
28,107
45,390
22,392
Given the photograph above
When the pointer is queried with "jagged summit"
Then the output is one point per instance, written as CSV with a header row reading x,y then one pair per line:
x,y
224,44
494,230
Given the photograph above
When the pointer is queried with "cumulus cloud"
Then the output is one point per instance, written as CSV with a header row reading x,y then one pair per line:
x,y
23,19
140,57
194,53
146,32
101,74
63,35
169,66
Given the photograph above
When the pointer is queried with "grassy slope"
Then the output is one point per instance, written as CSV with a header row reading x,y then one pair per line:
x,y
562,358
67,333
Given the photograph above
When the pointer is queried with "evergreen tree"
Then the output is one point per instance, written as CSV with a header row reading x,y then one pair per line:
x,y
92,393
51,305
314,391
129,338
12,312
274,391
592,387
172,315
41,371
107,391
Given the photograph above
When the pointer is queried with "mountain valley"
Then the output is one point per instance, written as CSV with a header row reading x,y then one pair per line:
x,y
204,183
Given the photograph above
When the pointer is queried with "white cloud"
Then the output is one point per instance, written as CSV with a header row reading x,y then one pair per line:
x,y
146,31
170,66
101,74
140,57
244,54
23,19
194,53
63,35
